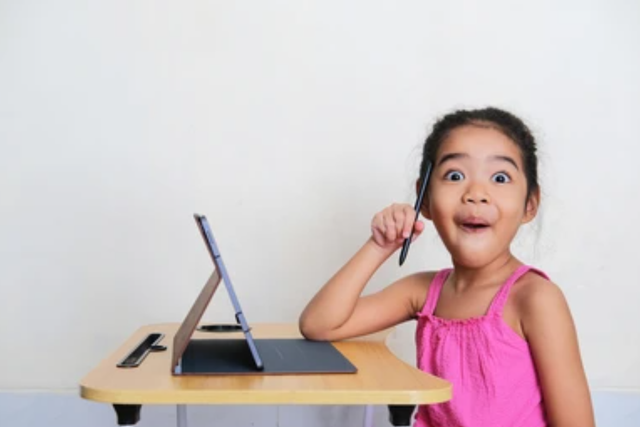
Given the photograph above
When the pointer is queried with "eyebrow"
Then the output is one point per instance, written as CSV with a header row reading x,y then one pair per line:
x,y
506,159
453,156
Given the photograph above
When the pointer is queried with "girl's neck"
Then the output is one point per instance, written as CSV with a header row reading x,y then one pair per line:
x,y
497,271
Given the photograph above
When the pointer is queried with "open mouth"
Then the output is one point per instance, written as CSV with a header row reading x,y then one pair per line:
x,y
475,226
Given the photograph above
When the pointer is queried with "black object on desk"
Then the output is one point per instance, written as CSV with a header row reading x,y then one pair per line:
x,y
224,327
279,356
138,354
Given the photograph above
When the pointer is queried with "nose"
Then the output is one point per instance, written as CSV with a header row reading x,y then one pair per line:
x,y
475,194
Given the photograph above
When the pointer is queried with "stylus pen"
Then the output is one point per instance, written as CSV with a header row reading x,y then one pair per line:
x,y
423,190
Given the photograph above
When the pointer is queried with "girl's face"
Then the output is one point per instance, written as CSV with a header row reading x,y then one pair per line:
x,y
477,196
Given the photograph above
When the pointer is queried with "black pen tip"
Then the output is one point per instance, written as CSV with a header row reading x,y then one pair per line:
x,y
404,251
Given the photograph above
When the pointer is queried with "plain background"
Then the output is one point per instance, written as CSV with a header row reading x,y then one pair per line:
x,y
290,124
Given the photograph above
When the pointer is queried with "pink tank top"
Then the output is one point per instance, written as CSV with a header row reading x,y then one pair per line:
x,y
488,364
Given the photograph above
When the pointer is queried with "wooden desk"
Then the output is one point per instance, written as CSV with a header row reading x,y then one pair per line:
x,y
381,379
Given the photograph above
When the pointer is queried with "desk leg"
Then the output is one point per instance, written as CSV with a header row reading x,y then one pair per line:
x,y
368,416
128,415
182,415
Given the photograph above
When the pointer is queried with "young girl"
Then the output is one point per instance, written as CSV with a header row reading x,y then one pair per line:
x,y
499,330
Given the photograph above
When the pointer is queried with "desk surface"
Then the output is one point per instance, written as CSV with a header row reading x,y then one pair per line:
x,y
382,378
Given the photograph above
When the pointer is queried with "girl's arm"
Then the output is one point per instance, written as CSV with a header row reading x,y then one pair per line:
x,y
338,311
550,331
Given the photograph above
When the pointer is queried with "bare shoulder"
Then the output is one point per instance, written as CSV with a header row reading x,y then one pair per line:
x,y
535,296
415,287
532,287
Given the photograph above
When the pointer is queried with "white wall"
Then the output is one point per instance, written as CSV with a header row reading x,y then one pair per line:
x,y
290,124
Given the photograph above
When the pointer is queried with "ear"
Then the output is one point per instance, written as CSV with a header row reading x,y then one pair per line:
x,y
424,209
531,208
